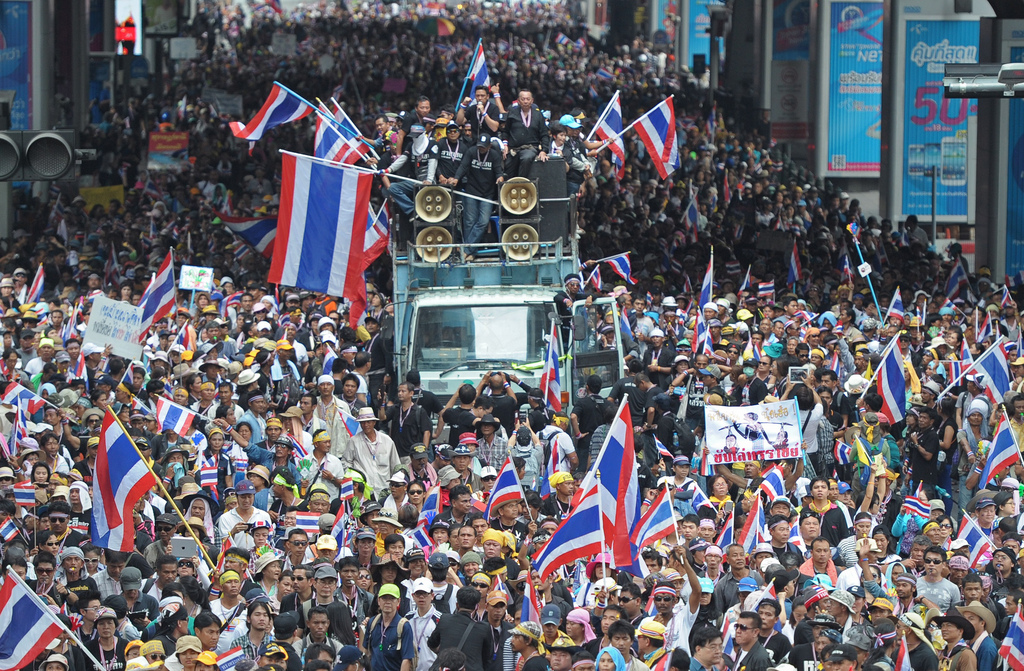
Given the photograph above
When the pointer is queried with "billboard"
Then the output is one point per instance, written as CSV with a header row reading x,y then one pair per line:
x,y
699,25
162,18
1015,179
128,26
791,24
16,59
935,127
855,87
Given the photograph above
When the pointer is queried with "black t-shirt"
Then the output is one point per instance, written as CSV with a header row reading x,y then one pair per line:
x,y
925,470
506,406
428,401
637,399
803,658
536,663
777,645
113,660
589,412
80,587
406,427
460,421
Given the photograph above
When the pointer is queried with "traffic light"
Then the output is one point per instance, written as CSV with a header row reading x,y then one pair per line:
x,y
36,155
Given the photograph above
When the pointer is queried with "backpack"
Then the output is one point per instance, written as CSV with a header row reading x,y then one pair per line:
x,y
442,604
401,628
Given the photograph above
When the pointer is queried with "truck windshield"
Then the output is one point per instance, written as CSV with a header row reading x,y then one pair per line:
x,y
446,336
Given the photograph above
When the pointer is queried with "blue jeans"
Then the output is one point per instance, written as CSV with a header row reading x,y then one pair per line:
x,y
402,193
476,215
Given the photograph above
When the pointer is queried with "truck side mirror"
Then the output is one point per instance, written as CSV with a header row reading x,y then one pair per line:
x,y
579,326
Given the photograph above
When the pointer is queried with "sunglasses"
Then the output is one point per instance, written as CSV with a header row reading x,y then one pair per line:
x,y
743,627
416,492
662,599
164,529
299,544
482,585
932,561
92,561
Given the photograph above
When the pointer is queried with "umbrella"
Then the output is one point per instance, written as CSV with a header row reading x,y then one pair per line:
x,y
436,26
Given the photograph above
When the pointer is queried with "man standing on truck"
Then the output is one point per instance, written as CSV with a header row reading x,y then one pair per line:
x,y
563,305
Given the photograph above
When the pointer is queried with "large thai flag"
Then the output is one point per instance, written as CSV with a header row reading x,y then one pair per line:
x,y
257,232
531,605
657,523
621,266
506,488
997,372
281,107
550,379
158,299
976,539
892,385
579,535
322,226
172,416
1012,649
120,479
35,292
25,627
795,271
772,483
478,69
16,393
657,130
752,528
611,127
895,306
331,145
728,533
957,280
1003,453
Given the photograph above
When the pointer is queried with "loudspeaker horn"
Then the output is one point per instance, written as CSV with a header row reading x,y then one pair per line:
x,y
430,236
518,195
520,242
433,204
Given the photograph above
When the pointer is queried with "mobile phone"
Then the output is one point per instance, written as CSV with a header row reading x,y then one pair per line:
x,y
522,417
915,163
954,161
183,548
728,506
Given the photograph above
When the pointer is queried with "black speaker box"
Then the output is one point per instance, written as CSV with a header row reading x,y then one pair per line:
x,y
554,214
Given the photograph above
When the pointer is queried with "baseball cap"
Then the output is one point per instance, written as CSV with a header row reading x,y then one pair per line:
x,y
550,614
422,585
389,590
747,584
438,560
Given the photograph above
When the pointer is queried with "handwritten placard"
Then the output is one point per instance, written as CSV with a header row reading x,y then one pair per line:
x,y
117,324
195,278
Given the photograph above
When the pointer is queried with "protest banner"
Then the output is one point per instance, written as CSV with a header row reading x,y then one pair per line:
x,y
101,195
195,278
168,151
118,324
762,432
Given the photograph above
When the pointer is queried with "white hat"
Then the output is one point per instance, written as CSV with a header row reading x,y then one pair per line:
x,y
324,321
657,333
856,384
710,305
422,585
89,349
324,379
328,337
263,325
226,280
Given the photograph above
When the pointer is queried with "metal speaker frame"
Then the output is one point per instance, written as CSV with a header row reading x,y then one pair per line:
x,y
430,236
434,204
518,196
520,242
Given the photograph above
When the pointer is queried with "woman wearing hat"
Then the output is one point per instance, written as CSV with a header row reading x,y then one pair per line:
x,y
267,572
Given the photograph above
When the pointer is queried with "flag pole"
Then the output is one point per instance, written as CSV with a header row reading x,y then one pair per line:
x,y
874,373
361,138
964,372
160,484
469,72
645,115
604,115
72,639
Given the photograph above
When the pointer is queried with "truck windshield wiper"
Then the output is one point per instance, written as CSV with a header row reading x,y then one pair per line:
x,y
473,362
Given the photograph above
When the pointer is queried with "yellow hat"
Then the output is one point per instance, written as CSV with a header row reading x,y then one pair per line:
x,y
744,314
558,477
228,576
495,535
275,422
651,628
284,344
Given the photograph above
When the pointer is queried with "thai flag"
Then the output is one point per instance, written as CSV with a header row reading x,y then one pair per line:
x,y
26,628
611,127
120,479
307,522
796,539
844,453
699,499
892,386
173,417
605,74
707,284
187,338
772,483
595,278
728,637
346,489
35,292
984,331
152,190
1003,453
228,660
281,107
79,370
20,431
478,70
746,281
624,324
662,450
917,504
340,529
621,267
657,130
322,226
794,267
550,380
208,475
257,232
25,494
657,523
997,372
976,540
691,219
158,299
8,530
728,533
581,43
895,306
330,144
351,425
752,528
506,488
16,393
378,234
845,271
766,289
531,605
562,39
1012,649
1007,300
957,280
836,363
329,358
965,353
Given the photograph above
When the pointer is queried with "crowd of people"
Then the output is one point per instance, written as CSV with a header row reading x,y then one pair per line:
x,y
282,537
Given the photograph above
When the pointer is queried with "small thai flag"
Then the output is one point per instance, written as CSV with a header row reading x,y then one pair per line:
x,y
605,74
662,450
308,522
766,289
1012,649
844,453
208,474
421,537
297,447
563,40
917,506
8,530
25,494
346,489
229,659
351,425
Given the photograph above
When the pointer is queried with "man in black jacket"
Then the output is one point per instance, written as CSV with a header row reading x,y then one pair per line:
x,y
526,135
480,173
749,654
459,630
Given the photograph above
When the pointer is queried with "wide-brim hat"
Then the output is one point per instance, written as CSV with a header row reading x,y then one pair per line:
x,y
375,571
954,617
981,611
265,560
365,414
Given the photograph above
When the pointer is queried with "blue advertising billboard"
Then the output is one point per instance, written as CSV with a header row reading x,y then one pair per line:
x,y
700,22
934,127
855,87
16,59
1015,180
791,23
